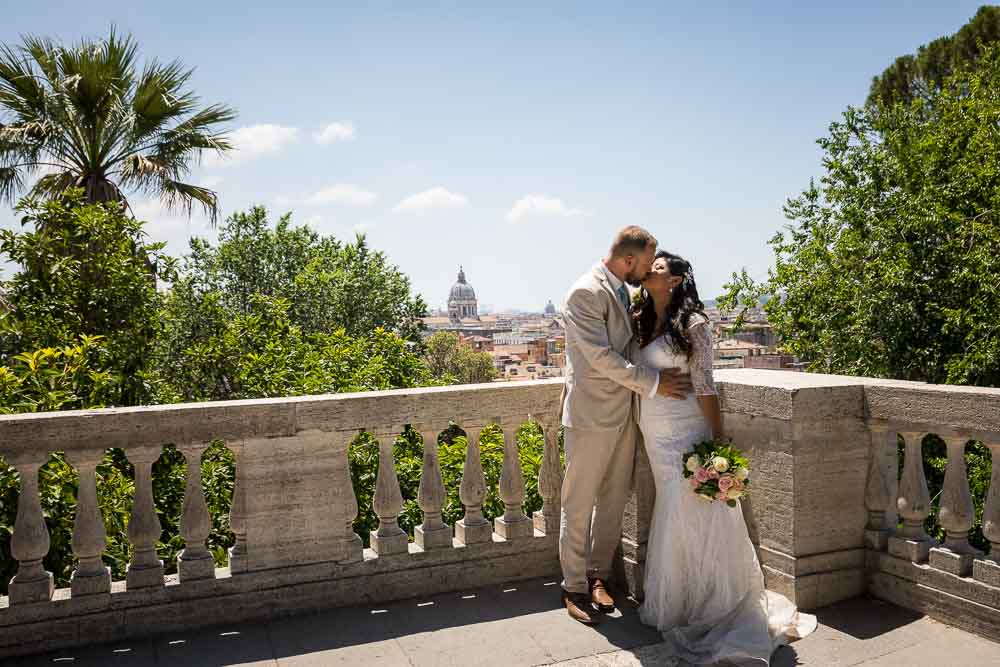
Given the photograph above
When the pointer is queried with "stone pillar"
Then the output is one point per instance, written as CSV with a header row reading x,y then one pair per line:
x,y
238,561
145,570
550,477
30,542
91,576
987,570
513,525
877,497
956,515
433,533
473,528
914,504
194,561
389,539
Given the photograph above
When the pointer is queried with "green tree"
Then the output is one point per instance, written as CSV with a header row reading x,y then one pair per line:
x,y
85,270
454,362
890,266
921,75
328,284
86,116
262,353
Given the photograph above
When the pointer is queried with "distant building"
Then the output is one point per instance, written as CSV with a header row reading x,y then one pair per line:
x,y
550,309
778,362
462,302
479,343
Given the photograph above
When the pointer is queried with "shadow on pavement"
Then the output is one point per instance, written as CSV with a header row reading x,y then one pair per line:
x,y
522,623
865,617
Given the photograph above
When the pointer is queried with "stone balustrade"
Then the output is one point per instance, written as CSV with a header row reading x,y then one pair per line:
x,y
829,510
950,580
292,511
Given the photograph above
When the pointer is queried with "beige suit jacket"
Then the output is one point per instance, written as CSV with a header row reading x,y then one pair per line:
x,y
602,380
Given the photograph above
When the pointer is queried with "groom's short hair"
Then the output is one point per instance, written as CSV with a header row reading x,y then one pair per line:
x,y
631,240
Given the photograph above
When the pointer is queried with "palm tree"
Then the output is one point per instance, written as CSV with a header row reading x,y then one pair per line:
x,y
86,117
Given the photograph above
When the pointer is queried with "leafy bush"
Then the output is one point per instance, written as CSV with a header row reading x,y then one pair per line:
x,y
85,270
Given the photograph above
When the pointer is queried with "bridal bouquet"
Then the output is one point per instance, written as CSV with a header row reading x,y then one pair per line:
x,y
717,471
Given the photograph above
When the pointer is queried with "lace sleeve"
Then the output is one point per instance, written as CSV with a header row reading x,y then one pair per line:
x,y
700,364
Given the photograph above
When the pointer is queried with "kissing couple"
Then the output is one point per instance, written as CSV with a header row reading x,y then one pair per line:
x,y
639,366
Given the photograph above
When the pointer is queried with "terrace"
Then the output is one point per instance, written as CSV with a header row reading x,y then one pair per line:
x,y
838,529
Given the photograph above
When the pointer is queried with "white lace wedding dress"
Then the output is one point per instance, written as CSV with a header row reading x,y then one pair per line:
x,y
704,589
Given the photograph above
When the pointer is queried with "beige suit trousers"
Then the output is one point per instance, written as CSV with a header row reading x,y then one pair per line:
x,y
596,487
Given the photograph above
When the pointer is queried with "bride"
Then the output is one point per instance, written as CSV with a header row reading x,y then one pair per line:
x,y
704,589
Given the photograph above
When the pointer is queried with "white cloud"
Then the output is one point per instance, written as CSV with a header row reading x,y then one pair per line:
x,y
540,206
435,198
343,193
335,132
251,141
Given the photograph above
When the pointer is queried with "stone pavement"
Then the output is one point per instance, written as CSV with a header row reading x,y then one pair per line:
x,y
519,624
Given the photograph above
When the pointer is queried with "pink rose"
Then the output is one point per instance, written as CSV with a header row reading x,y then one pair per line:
x,y
702,476
695,483
726,482
712,474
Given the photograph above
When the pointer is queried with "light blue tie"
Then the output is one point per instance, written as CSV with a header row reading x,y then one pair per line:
x,y
623,295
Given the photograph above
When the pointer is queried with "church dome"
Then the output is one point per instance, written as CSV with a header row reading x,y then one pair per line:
x,y
462,291
462,304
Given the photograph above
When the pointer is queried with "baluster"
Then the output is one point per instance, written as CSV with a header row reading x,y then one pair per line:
x,y
195,561
30,542
550,477
877,491
956,514
91,576
433,533
389,539
145,570
238,561
914,505
987,569
513,524
353,549
473,528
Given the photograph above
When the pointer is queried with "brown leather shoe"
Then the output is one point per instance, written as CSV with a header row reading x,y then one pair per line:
x,y
600,597
579,607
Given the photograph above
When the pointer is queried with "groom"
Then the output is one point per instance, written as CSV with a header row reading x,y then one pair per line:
x,y
600,416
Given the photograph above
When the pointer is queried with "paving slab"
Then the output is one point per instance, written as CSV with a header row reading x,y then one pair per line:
x,y
865,632
521,623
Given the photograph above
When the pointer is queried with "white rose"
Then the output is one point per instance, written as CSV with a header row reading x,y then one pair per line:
x,y
720,463
693,463
741,473
734,494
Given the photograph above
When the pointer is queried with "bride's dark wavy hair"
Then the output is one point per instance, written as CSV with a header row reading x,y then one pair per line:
x,y
684,302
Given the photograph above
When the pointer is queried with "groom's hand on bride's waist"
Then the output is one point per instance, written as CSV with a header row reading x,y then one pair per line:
x,y
674,383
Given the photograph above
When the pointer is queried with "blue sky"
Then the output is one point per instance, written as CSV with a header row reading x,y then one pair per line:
x,y
516,138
